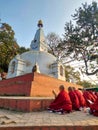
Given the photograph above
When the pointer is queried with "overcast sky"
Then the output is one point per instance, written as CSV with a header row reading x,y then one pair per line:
x,y
23,16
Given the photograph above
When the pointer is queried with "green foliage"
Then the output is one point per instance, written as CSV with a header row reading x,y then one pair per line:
x,y
8,46
22,50
71,74
81,40
86,84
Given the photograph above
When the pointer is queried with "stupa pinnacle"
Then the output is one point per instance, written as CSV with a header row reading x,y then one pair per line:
x,y
40,23
39,42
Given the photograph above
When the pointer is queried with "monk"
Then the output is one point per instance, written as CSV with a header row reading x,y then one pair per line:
x,y
74,99
93,94
62,102
88,97
94,108
82,101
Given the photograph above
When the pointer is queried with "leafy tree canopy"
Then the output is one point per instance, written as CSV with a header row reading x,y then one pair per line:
x,y
81,39
71,75
86,84
8,46
22,50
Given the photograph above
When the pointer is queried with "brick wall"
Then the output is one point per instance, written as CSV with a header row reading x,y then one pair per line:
x,y
43,85
20,85
24,85
24,105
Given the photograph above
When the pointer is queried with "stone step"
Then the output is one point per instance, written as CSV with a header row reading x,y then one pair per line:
x,y
11,120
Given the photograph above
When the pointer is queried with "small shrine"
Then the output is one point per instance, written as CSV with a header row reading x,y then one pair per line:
x,y
38,56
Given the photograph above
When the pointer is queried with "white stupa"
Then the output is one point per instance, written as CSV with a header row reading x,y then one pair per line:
x,y
38,55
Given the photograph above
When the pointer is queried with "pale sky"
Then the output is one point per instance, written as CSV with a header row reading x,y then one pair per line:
x,y
23,16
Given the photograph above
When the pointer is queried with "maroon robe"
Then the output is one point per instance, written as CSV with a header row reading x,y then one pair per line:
x,y
87,97
94,108
74,100
62,101
82,101
93,94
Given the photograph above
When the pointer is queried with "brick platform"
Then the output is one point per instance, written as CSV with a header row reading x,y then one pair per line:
x,y
25,104
24,85
11,120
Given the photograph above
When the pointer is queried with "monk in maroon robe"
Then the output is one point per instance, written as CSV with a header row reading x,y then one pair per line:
x,y
62,101
74,99
94,108
88,97
82,101
93,94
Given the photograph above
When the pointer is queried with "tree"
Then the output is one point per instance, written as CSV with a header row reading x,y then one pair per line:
x,y
86,84
71,74
54,41
81,40
22,50
8,46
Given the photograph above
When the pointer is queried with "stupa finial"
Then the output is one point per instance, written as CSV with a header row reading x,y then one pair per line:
x,y
40,23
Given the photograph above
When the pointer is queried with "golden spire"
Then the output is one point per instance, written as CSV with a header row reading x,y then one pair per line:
x,y
40,23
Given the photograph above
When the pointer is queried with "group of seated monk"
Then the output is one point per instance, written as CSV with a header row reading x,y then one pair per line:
x,y
66,102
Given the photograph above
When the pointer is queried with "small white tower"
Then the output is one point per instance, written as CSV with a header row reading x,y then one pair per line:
x,y
39,43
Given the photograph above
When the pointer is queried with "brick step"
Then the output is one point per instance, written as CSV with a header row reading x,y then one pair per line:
x,y
25,104
50,128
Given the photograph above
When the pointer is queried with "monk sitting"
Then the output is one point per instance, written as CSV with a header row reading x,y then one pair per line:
x,y
81,98
88,97
62,102
94,108
74,99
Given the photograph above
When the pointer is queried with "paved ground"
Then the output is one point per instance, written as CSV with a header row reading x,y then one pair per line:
x,y
12,118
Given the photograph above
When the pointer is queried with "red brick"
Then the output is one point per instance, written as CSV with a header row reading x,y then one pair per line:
x,y
1,103
71,128
95,127
35,105
36,128
46,103
78,128
13,104
63,128
45,128
54,128
6,103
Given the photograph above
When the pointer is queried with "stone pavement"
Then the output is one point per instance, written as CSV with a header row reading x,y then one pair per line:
x,y
44,118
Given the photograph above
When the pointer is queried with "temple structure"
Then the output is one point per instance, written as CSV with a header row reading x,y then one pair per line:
x,y
38,55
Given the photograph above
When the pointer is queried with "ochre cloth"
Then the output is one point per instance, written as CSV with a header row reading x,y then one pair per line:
x,y
94,108
82,101
87,97
74,100
62,101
